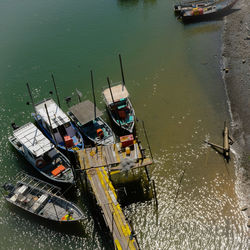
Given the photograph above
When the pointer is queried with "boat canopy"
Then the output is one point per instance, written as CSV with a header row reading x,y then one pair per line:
x,y
33,139
84,111
118,92
56,115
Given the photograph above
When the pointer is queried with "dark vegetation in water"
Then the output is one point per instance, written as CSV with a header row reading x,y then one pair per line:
x,y
134,191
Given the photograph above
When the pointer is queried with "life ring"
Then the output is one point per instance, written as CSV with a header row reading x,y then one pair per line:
x,y
40,163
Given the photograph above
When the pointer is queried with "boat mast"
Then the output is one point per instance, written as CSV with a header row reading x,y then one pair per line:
x,y
93,91
110,90
50,128
58,101
114,102
31,98
123,80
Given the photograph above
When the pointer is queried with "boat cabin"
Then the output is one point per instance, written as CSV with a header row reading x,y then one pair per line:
x,y
84,113
57,123
34,144
119,93
88,119
119,104
41,153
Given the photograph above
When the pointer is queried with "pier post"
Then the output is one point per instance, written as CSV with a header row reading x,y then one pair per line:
x,y
31,98
155,194
123,80
51,130
93,92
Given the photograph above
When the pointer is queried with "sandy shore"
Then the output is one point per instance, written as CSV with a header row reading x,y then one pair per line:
x,y
236,55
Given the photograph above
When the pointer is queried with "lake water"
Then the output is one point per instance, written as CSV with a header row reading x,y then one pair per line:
x,y
173,75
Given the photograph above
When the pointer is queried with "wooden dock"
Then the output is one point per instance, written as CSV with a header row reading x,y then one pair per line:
x,y
112,157
114,218
96,162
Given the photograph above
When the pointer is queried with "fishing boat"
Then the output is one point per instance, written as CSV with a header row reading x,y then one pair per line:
x,y
30,142
42,199
118,104
56,125
212,11
119,107
178,8
88,119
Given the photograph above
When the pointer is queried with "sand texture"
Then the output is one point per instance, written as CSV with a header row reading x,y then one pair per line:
x,y
236,54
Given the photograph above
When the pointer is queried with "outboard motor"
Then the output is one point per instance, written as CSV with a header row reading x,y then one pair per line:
x,y
14,126
8,187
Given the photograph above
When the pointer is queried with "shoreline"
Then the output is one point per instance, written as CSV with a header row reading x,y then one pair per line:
x,y
236,75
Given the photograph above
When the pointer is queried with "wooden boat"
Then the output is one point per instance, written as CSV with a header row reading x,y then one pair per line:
x,y
119,107
42,199
41,153
207,13
56,125
88,119
178,8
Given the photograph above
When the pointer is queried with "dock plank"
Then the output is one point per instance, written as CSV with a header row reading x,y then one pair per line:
x,y
113,215
93,161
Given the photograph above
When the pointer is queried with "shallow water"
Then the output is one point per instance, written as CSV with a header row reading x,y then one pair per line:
x,y
172,73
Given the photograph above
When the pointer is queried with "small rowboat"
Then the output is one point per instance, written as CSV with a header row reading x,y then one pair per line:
x,y
204,13
42,199
178,8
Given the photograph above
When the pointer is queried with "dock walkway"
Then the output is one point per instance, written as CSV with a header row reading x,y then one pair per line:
x,y
112,212
95,161
111,156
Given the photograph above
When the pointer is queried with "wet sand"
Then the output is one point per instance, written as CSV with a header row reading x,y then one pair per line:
x,y
236,55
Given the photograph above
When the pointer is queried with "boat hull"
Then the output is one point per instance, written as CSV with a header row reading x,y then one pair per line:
x,y
54,209
69,181
95,140
127,128
62,147
209,16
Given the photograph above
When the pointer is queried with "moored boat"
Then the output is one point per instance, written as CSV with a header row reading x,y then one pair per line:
x,y
178,8
119,107
41,153
88,119
42,199
212,11
57,126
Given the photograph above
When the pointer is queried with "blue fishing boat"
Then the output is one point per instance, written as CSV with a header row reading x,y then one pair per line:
x,y
56,125
91,124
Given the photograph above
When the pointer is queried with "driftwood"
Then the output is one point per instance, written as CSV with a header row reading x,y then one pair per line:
x,y
227,141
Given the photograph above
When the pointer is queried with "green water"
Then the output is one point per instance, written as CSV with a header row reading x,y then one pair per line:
x,y
172,73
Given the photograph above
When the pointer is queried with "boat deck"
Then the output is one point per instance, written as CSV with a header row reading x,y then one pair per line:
x,y
53,212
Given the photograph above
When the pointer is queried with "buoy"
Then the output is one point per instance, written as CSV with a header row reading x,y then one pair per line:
x,y
127,149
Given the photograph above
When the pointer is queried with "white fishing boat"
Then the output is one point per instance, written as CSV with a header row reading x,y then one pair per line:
x,y
41,153
88,119
42,199
119,107
56,125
